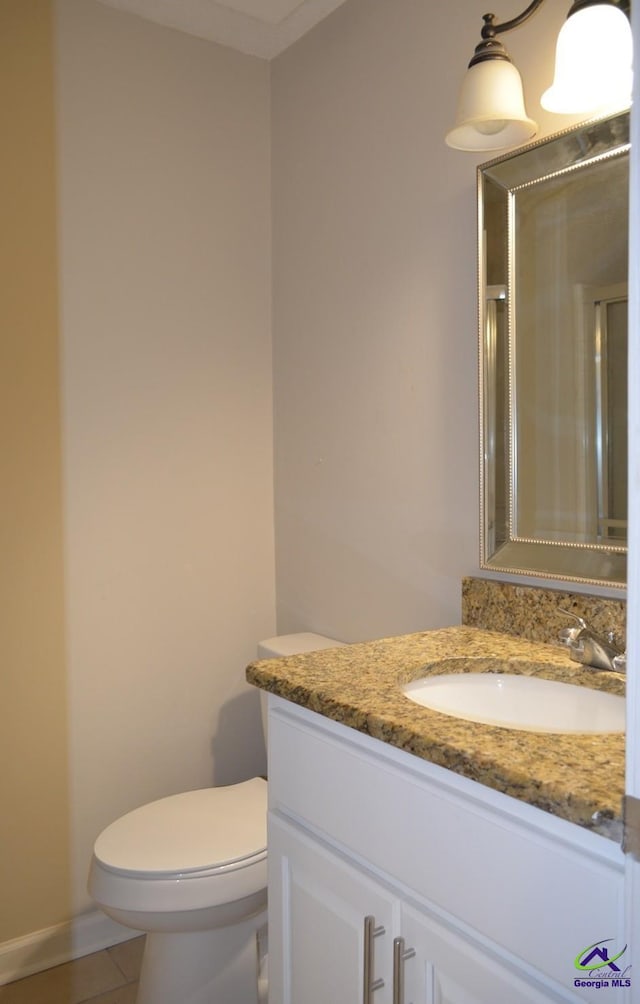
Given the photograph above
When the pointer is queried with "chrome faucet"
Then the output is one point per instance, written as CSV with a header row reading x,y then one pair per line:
x,y
590,648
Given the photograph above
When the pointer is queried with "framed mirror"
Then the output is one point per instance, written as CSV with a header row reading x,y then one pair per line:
x,y
553,251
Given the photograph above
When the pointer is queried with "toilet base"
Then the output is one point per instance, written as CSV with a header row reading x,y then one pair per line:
x,y
202,967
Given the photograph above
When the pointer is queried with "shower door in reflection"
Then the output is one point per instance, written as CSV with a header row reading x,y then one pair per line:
x,y
611,338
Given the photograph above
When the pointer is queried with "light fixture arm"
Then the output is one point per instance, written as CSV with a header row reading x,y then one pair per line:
x,y
490,29
491,47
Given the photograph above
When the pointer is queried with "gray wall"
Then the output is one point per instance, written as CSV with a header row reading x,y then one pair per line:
x,y
375,313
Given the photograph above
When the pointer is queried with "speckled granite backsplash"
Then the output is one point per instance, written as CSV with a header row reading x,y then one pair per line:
x,y
532,612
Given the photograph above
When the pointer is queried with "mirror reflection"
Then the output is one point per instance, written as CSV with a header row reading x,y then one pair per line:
x,y
553,326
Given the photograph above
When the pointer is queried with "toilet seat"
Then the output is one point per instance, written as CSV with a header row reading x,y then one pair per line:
x,y
192,833
187,851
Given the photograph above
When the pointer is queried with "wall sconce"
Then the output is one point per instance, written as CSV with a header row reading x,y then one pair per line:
x,y
592,74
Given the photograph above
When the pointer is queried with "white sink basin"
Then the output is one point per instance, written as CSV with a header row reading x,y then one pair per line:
x,y
529,703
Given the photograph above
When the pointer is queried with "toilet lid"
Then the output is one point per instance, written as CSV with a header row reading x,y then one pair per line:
x,y
190,832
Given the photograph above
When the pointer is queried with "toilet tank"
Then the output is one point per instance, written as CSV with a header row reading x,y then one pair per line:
x,y
290,644
294,644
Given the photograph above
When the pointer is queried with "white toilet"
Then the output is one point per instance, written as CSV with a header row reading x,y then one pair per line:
x,y
190,870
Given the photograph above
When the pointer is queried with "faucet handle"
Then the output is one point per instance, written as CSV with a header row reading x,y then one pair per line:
x,y
581,621
569,635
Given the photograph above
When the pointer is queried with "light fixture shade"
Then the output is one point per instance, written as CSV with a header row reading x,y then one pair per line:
x,y
593,62
491,113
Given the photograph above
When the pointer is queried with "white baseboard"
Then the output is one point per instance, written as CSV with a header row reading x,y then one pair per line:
x,y
52,946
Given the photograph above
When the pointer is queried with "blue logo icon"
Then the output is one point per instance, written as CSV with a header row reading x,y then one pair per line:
x,y
596,956
598,966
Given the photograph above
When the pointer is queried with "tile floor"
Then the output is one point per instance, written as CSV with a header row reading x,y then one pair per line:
x,y
108,977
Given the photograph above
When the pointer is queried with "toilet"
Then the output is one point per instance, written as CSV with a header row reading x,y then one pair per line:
x,y
190,871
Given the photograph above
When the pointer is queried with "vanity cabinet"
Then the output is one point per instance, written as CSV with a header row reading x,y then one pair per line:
x,y
393,881
347,937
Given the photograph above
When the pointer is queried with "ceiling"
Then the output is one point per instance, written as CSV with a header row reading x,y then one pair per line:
x,y
257,27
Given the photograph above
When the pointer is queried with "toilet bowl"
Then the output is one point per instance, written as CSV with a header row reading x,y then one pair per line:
x,y
190,871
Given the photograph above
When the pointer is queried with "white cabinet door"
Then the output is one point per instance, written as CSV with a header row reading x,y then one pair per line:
x,y
319,903
449,969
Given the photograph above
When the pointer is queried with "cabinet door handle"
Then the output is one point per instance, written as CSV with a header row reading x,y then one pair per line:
x,y
369,983
400,955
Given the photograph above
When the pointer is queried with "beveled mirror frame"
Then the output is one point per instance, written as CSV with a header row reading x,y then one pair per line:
x,y
502,549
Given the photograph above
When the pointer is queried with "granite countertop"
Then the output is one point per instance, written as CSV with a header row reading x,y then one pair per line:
x,y
578,777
